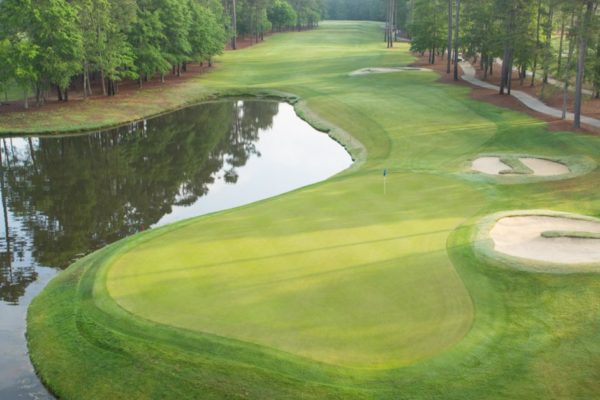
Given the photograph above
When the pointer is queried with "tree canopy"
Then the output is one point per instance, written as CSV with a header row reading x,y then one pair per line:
x,y
540,39
50,44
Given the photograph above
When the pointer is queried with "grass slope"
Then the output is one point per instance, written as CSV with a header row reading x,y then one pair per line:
x,y
335,290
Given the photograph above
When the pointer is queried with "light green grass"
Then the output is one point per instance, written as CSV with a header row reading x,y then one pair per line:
x,y
337,290
516,166
570,235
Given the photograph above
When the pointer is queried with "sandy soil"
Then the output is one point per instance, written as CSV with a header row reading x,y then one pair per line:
x,y
539,166
521,236
385,70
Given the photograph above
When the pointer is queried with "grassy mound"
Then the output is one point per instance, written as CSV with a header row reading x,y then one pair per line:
x,y
337,290
570,235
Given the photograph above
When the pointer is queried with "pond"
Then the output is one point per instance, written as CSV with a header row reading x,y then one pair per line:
x,y
64,197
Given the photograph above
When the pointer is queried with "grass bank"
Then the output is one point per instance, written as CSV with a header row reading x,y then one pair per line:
x,y
338,290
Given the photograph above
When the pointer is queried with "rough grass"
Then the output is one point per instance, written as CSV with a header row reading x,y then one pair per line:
x,y
570,235
516,166
336,290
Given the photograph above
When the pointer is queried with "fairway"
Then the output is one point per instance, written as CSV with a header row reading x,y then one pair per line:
x,y
339,290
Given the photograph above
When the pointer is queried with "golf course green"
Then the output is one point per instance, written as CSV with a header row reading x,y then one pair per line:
x,y
341,290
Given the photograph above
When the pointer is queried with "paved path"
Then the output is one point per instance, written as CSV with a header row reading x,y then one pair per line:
x,y
528,100
551,81
560,84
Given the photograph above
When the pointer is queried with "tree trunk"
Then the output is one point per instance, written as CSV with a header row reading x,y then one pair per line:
x,y
548,44
510,70
560,46
567,73
26,98
537,42
85,76
390,22
103,79
547,52
583,30
387,22
506,73
234,25
485,61
456,32
449,61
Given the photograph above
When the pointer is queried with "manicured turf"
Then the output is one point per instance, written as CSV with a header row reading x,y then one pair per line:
x,y
337,290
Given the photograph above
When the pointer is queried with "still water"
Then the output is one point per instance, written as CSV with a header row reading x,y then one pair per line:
x,y
63,197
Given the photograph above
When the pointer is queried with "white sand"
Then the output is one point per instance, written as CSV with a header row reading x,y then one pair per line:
x,y
541,167
538,166
489,165
520,236
385,70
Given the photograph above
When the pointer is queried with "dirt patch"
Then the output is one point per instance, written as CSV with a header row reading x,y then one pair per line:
x,y
523,236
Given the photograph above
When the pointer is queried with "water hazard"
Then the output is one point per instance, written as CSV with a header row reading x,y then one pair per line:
x,y
63,197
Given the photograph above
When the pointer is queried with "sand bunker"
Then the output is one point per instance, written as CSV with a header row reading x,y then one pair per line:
x,y
493,165
524,236
489,165
385,70
541,167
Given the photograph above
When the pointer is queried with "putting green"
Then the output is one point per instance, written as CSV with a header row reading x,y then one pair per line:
x,y
380,294
337,290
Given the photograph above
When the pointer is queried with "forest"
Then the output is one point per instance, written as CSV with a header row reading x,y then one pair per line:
x,y
541,39
48,46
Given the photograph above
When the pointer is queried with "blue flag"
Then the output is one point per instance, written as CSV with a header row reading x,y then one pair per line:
x,y
385,172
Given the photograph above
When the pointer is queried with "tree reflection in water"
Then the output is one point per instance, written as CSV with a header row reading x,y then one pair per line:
x,y
63,197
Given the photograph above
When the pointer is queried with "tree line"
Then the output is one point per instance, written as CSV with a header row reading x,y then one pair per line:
x,y
50,44
541,39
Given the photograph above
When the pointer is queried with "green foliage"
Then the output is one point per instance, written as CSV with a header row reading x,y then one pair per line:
x,y
146,36
428,30
355,9
54,41
45,39
282,15
206,35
